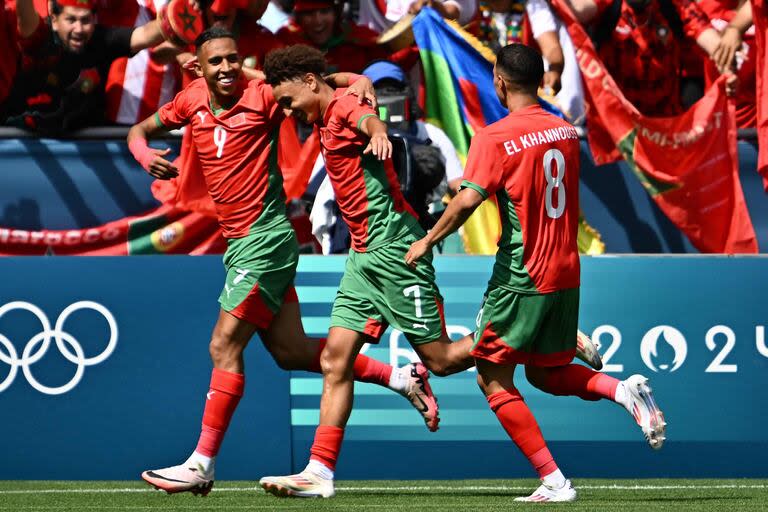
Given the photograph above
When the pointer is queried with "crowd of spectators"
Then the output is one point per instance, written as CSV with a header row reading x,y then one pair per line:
x,y
68,64
73,63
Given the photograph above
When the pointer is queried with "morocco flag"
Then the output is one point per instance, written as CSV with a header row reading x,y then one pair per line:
x,y
688,163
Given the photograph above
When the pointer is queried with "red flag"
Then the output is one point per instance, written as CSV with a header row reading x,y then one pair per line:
x,y
760,20
296,160
688,163
164,230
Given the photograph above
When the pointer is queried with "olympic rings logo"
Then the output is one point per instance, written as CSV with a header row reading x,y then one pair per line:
x,y
39,344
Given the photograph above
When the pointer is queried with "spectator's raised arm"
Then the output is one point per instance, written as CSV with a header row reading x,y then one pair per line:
x,y
27,19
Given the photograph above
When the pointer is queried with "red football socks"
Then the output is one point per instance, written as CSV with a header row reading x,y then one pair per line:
x,y
521,426
327,444
222,399
366,369
577,380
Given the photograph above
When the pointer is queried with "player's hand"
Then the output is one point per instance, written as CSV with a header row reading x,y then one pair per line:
x,y
417,251
363,89
379,146
161,168
725,53
552,80
187,60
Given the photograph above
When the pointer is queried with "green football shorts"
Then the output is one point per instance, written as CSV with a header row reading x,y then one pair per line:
x,y
378,289
516,328
260,271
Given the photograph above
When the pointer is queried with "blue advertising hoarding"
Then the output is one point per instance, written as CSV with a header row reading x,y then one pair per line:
x,y
104,367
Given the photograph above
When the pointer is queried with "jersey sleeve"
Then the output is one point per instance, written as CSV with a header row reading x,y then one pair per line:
x,y
483,172
355,113
175,113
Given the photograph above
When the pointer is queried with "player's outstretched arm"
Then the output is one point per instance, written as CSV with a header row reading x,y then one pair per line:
x,y
379,145
457,213
150,159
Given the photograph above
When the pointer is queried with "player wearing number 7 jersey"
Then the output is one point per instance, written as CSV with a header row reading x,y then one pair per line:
x,y
234,126
529,161
377,288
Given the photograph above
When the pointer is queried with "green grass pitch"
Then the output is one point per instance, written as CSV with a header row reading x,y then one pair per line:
x,y
391,495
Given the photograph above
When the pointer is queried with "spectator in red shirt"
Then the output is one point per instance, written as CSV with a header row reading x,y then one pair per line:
x,y
642,52
734,22
61,57
347,47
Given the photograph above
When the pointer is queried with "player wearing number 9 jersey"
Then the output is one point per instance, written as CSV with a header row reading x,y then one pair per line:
x,y
529,161
235,126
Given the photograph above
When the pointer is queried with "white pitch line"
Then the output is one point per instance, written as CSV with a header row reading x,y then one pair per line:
x,y
364,489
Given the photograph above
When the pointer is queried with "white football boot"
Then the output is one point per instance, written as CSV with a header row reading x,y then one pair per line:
x,y
643,408
548,494
181,478
306,484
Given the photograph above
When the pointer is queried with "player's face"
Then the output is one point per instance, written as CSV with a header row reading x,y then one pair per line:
x,y
74,26
318,24
220,65
298,98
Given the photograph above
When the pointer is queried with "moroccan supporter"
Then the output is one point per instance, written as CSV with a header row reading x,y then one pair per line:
x,y
380,15
723,13
318,23
57,86
139,85
254,41
643,51
10,54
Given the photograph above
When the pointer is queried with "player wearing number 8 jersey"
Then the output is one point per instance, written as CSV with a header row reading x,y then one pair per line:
x,y
234,126
529,161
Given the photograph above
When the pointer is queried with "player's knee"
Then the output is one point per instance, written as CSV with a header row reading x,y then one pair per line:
x,y
333,365
482,384
222,350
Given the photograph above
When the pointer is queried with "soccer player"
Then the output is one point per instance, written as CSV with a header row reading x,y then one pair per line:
x,y
377,288
235,126
530,161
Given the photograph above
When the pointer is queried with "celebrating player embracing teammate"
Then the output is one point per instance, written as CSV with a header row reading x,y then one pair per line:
x,y
377,288
530,161
235,126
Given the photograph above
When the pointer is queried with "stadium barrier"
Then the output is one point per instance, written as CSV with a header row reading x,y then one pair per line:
x,y
104,369
92,179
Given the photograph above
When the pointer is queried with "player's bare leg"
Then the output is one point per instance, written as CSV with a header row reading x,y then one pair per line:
x,y
228,341
293,350
445,357
634,394
497,383
337,361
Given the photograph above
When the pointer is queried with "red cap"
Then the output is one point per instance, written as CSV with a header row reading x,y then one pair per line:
x,y
311,5
83,4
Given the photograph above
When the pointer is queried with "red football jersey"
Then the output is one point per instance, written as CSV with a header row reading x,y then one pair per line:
x,y
367,190
530,161
237,149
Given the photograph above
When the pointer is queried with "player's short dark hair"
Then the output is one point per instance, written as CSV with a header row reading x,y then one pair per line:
x,y
293,62
522,66
212,33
